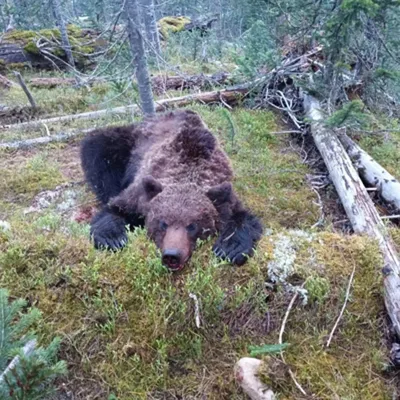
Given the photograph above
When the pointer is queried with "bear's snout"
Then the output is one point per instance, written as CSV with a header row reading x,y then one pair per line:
x,y
172,258
175,248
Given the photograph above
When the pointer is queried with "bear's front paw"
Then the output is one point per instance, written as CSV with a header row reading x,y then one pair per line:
x,y
108,232
235,247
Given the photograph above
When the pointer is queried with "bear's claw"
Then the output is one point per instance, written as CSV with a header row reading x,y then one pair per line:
x,y
235,248
108,231
109,243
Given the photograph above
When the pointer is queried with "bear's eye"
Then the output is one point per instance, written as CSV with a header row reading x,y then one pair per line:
x,y
163,226
192,228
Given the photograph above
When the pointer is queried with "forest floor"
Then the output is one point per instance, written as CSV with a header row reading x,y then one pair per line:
x,y
128,326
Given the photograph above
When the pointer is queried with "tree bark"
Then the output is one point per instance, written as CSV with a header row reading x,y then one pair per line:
x,y
150,25
372,172
358,205
226,95
63,30
139,57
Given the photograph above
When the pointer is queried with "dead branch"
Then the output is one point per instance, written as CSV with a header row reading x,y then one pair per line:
x,y
281,332
343,307
25,89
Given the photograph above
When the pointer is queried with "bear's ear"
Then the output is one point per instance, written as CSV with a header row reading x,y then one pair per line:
x,y
151,187
220,194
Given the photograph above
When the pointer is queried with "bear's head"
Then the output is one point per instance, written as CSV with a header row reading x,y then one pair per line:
x,y
178,215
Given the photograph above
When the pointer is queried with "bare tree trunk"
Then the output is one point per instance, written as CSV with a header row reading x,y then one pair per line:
x,y
359,207
63,30
150,25
139,57
11,21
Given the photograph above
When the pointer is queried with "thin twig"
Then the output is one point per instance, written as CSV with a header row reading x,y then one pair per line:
x,y
196,309
390,216
343,308
283,132
285,318
281,332
47,129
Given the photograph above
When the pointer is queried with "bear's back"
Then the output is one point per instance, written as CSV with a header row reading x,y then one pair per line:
x,y
162,160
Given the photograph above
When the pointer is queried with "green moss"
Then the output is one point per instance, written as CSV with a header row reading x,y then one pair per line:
x,y
28,39
318,289
35,175
18,36
32,48
137,316
169,25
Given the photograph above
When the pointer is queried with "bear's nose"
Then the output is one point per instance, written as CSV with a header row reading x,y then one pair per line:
x,y
171,258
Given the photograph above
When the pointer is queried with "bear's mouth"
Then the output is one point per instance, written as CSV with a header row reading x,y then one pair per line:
x,y
176,267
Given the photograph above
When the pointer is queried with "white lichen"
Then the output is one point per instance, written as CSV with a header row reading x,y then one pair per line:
x,y
4,226
283,264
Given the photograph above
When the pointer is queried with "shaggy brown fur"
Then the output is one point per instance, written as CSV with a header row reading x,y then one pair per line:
x,y
178,178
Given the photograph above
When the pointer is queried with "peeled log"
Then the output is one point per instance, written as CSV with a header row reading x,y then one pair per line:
x,y
246,370
372,172
358,205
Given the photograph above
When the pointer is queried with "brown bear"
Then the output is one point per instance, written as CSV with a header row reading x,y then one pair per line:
x,y
167,173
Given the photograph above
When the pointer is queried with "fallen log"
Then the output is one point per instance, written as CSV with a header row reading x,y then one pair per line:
x,y
28,143
14,115
160,83
228,95
5,83
51,83
373,173
163,83
359,207
37,48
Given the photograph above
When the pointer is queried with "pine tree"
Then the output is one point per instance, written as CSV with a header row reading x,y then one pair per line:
x,y
26,372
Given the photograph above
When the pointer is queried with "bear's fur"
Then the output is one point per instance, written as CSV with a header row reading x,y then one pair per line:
x,y
170,174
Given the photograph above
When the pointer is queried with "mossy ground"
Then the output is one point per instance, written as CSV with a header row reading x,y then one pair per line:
x,y
128,326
